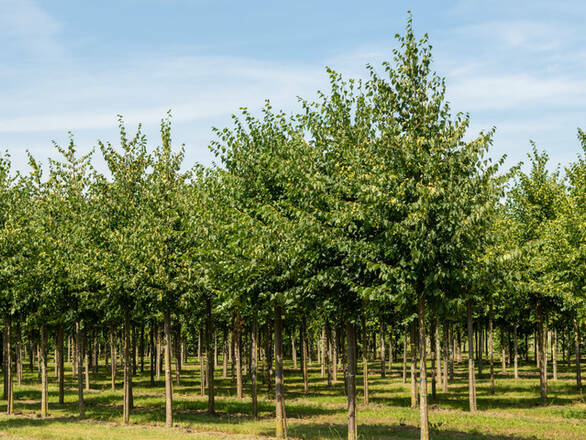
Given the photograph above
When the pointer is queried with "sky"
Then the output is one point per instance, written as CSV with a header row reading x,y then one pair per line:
x,y
73,66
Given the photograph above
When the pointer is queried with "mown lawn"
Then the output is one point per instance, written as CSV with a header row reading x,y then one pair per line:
x,y
511,414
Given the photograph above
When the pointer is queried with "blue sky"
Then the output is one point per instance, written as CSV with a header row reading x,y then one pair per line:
x,y
74,65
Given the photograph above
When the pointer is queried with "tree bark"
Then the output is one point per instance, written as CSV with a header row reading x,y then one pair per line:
x,y
281,417
471,370
61,366
86,361
77,358
351,380
577,342
225,356
152,355
168,378
383,362
405,355
541,353
490,346
413,365
8,366
158,360
253,367
237,353
423,410
210,357
323,352
293,349
44,378
554,352
438,350
515,354
303,334
445,357
365,359
127,370
114,359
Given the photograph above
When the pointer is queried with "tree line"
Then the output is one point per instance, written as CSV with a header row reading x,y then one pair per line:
x,y
365,225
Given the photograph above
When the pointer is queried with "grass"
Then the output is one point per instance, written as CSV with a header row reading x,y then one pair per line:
x,y
511,414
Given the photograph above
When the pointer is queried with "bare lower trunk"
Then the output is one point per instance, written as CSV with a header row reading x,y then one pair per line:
x,y
210,359
490,347
281,417
364,359
351,380
423,410
554,352
413,365
114,359
471,370
577,342
61,366
77,357
303,333
405,355
8,366
515,353
44,378
382,351
237,353
541,353
293,349
168,378
438,350
127,370
253,367
323,352
445,357
225,356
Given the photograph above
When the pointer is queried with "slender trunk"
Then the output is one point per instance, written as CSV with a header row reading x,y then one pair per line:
x,y
351,379
237,353
433,347
142,349
541,353
127,369
253,367
168,379
210,357
490,346
44,378
577,342
4,363
554,353
177,353
19,355
152,355
515,353
323,352
8,366
86,362
303,333
77,357
269,350
114,359
293,349
61,366
158,360
445,357
413,365
215,350
202,367
225,356
471,370
329,354
405,355
281,417
440,380
423,411
365,359
382,351
334,345
451,350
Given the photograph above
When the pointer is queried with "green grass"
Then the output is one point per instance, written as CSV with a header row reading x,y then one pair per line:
x,y
511,414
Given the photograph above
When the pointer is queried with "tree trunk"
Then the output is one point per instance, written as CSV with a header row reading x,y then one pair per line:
x,y
237,353
334,345
303,334
127,369
77,358
433,347
19,355
351,378
405,355
471,370
61,366
210,357
554,352
253,366
329,354
490,346
293,349
86,361
541,353
168,379
577,342
202,368
323,352
114,359
44,378
8,366
225,356
445,357
438,350
269,350
365,359
281,417
413,365
423,410
382,351
152,355
515,353
158,360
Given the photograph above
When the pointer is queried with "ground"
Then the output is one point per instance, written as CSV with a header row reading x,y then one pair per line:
x,y
511,414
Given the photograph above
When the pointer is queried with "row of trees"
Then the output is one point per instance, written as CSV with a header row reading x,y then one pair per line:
x,y
368,212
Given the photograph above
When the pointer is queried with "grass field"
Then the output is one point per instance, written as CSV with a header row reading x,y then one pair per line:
x,y
512,414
